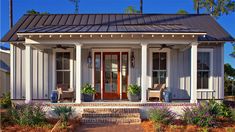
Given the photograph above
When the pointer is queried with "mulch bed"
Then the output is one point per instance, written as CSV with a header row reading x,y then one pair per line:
x,y
224,125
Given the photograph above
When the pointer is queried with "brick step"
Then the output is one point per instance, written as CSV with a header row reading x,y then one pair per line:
x,y
107,115
111,110
110,121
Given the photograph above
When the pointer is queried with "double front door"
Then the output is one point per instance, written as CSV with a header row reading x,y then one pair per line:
x,y
111,75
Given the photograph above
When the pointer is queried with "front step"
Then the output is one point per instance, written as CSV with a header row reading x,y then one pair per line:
x,y
111,116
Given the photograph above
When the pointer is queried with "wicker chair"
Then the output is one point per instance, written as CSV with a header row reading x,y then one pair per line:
x,y
156,91
64,92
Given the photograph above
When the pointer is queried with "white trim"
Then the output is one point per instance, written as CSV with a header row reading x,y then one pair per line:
x,y
109,50
222,73
115,33
210,50
12,70
70,50
167,51
5,51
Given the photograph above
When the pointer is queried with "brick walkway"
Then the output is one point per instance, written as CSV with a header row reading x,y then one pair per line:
x,y
109,128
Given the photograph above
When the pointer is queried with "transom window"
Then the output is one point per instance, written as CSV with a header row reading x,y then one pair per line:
x,y
203,70
159,68
63,68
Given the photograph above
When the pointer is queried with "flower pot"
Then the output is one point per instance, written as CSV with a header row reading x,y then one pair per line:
x,y
54,97
88,97
133,97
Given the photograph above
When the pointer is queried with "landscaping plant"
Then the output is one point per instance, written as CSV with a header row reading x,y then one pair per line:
x,y
28,114
134,89
63,112
161,115
5,101
88,89
233,114
199,115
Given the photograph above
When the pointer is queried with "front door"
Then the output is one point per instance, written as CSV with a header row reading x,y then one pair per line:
x,y
111,75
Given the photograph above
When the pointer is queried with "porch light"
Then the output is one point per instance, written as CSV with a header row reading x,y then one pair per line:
x,y
132,60
89,60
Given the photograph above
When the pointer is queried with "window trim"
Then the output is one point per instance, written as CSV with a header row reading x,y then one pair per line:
x,y
167,51
71,67
210,51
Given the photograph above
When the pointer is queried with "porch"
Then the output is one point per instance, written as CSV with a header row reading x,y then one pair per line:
x,y
111,65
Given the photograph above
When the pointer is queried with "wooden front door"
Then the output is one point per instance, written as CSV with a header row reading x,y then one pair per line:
x,y
111,75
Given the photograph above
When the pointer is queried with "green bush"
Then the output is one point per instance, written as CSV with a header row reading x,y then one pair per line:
x,y
161,115
5,101
199,115
88,89
63,113
218,109
134,89
28,114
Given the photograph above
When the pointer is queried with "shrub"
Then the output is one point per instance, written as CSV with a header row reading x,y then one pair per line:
x,y
162,115
218,109
5,102
63,113
28,114
198,115
134,89
233,114
88,89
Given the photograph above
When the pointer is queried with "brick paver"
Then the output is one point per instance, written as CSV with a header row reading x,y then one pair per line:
x,y
109,128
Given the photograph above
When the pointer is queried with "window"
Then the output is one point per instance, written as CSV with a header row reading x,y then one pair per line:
x,y
98,74
63,68
159,68
124,72
203,70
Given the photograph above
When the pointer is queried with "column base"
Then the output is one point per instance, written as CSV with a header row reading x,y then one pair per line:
x,y
27,101
78,101
193,101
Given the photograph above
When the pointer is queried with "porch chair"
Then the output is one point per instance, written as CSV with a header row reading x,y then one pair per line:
x,y
156,91
64,92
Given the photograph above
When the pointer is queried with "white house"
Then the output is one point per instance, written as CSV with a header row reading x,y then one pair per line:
x,y
111,51
4,70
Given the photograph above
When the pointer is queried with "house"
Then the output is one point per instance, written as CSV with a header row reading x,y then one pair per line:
x,y
111,51
4,70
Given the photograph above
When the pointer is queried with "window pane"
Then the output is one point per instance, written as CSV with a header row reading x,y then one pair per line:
x,y
124,72
155,61
162,77
59,78
155,78
162,61
59,56
66,59
206,61
97,61
98,72
203,80
66,77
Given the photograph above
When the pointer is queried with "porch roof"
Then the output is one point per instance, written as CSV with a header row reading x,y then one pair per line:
x,y
119,23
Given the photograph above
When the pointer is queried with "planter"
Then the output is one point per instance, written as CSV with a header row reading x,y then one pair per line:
x,y
133,97
54,96
88,97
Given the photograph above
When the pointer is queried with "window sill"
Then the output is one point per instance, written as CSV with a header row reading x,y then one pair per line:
x,y
205,90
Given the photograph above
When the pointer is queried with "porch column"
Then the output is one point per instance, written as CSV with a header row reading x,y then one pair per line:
x,y
28,74
78,72
144,51
193,82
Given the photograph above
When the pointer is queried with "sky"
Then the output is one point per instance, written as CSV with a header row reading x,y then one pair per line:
x,y
20,7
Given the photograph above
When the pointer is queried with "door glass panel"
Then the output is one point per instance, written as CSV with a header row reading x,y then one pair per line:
x,y
98,72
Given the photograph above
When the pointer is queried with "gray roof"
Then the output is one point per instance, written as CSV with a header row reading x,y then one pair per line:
x,y
103,23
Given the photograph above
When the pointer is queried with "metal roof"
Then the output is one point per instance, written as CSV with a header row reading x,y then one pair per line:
x,y
98,23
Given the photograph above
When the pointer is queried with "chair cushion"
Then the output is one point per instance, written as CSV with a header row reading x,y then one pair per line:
x,y
64,87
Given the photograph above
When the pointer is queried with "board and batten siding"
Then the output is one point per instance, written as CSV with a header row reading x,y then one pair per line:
x,y
41,73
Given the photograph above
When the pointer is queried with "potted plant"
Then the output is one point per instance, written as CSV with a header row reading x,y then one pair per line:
x,y
133,92
88,91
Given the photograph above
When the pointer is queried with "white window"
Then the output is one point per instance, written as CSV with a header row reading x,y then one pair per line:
x,y
63,70
204,69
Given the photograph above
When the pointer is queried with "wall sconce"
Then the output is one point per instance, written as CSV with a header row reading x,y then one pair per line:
x,y
89,60
132,59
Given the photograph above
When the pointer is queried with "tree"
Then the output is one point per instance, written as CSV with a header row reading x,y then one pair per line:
x,y
131,10
229,79
32,11
181,11
76,5
233,53
215,7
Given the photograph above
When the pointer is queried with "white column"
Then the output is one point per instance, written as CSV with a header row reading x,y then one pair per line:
x,y
78,73
12,70
193,82
28,74
144,51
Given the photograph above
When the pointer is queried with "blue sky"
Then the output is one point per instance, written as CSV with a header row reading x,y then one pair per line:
x,y
109,6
